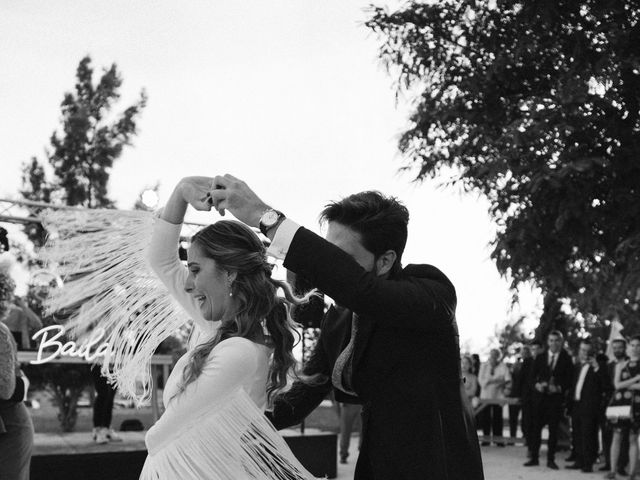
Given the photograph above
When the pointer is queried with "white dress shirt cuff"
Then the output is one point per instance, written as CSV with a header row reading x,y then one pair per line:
x,y
282,239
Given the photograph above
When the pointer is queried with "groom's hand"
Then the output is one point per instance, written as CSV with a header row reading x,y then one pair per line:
x,y
231,193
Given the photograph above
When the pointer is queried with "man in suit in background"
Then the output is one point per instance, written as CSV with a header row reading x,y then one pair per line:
x,y
589,382
551,381
391,341
535,347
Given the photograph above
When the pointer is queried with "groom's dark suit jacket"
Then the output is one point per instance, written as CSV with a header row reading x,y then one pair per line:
x,y
416,419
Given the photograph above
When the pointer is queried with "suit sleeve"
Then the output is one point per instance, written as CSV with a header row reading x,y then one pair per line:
x,y
292,406
409,302
567,383
535,372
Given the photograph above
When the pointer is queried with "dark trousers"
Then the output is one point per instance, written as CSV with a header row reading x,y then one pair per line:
x,y
349,415
363,465
103,403
547,410
491,420
527,420
607,436
514,413
584,433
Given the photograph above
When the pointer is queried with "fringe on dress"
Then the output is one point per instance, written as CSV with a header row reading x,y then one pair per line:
x,y
100,255
232,440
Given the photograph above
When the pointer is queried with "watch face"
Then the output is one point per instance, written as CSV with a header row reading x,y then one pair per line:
x,y
270,218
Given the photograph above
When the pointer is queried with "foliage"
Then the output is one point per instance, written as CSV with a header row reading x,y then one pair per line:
x,y
85,149
511,337
536,105
7,287
91,139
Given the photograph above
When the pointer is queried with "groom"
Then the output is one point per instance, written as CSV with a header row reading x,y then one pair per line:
x,y
391,343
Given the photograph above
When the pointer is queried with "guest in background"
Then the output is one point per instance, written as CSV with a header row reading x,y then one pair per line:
x,y
515,392
349,414
21,320
494,376
619,350
470,380
607,393
16,427
589,381
103,408
475,369
627,384
551,380
535,347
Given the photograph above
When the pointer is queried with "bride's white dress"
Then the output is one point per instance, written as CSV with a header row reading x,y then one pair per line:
x,y
215,428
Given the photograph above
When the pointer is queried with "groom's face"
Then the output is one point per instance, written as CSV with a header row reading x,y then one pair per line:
x,y
350,241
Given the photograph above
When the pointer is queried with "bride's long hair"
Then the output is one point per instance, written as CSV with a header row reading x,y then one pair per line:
x,y
257,306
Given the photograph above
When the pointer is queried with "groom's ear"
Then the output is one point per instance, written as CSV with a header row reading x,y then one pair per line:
x,y
385,262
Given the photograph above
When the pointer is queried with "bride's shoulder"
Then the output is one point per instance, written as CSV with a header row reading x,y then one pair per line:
x,y
237,344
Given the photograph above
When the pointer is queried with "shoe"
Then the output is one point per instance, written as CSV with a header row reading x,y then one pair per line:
x,y
101,436
499,444
485,444
604,468
552,465
343,459
532,463
587,469
574,466
610,476
622,471
94,433
570,458
113,436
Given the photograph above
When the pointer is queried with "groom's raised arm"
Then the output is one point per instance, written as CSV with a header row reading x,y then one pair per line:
x,y
424,301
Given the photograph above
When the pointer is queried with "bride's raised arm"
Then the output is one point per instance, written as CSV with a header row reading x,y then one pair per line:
x,y
163,250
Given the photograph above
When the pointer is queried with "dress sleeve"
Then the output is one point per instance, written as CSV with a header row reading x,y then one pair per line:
x,y
163,260
229,366
7,363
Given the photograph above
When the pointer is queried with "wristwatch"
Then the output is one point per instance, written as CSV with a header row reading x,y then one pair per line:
x,y
270,219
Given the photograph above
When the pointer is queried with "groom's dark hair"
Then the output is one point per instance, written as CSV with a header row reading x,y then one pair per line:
x,y
380,220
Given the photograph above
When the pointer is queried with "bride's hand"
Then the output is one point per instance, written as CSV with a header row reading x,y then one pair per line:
x,y
196,192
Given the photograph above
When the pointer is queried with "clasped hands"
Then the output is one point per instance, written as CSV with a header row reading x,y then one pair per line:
x,y
545,386
223,192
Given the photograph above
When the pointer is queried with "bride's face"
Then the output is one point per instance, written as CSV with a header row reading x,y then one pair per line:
x,y
208,284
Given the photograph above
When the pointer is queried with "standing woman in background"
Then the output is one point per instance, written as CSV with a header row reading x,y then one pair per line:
x,y
627,384
16,427
470,380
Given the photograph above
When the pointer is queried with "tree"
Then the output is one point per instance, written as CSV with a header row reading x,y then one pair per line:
x,y
536,106
82,153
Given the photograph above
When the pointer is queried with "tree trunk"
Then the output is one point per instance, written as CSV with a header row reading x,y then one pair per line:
x,y
552,317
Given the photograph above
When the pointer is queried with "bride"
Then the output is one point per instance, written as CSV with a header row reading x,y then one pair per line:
x,y
213,425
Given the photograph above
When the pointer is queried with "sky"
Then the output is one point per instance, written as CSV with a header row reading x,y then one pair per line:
x,y
288,95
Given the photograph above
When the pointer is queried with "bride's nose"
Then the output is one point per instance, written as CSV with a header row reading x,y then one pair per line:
x,y
188,284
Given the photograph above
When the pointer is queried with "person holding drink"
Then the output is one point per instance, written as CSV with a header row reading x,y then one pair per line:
x,y
551,380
